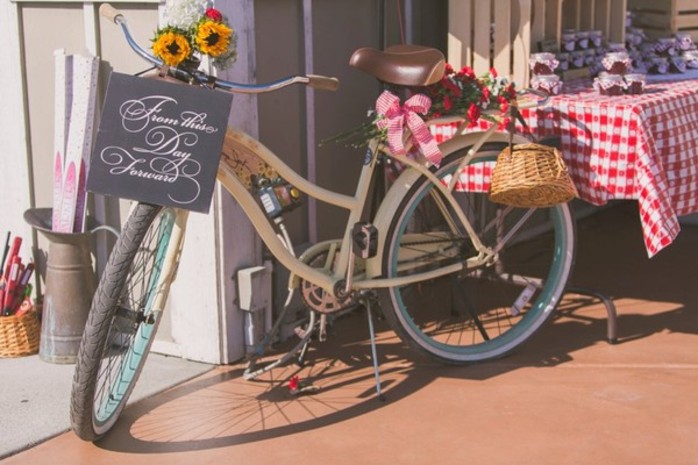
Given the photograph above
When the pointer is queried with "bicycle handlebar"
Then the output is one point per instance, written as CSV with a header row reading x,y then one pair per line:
x,y
311,80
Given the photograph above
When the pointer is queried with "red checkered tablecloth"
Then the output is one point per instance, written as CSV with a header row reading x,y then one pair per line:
x,y
642,147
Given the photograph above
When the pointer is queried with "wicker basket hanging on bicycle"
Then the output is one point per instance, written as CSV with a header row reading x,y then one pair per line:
x,y
531,176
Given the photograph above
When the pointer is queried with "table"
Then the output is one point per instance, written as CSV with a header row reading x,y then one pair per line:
x,y
642,147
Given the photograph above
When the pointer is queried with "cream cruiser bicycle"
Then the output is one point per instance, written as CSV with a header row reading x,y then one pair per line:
x,y
456,276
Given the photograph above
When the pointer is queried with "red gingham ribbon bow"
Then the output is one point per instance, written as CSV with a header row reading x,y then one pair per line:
x,y
396,116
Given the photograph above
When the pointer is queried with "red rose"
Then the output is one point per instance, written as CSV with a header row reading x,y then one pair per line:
x,y
468,72
485,94
473,114
493,72
449,69
214,14
503,103
447,103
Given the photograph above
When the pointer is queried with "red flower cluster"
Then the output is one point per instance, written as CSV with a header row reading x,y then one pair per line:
x,y
214,14
464,94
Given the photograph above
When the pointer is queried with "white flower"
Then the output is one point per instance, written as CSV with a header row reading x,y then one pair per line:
x,y
183,13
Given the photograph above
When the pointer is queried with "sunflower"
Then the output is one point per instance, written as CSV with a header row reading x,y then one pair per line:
x,y
212,38
172,47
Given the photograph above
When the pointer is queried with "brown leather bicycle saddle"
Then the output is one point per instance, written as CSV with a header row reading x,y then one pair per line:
x,y
404,65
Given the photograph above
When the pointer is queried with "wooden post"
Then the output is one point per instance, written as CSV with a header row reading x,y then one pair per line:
x,y
481,36
459,33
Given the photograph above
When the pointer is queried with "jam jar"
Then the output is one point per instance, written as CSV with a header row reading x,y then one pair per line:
x,y
582,39
569,40
564,61
658,65
691,57
548,83
634,83
543,63
617,62
677,65
609,84
684,41
665,47
577,59
595,38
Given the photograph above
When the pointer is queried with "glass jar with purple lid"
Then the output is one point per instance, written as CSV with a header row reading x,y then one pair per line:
x,y
691,57
548,83
595,38
634,83
577,59
582,38
609,84
617,62
658,65
677,65
665,47
569,40
543,63
564,61
684,41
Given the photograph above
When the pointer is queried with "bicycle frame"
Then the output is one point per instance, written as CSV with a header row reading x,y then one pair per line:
x,y
336,278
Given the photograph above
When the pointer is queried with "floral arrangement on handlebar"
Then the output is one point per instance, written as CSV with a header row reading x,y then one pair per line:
x,y
193,28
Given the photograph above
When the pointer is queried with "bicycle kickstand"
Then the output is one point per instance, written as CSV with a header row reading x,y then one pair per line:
x,y
374,352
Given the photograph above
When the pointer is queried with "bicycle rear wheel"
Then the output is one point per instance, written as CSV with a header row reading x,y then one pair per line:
x,y
122,322
490,311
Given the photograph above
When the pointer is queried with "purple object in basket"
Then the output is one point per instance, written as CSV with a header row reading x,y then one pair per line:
x,y
684,41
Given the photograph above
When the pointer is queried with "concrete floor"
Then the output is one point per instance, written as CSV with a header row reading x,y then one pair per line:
x,y
567,397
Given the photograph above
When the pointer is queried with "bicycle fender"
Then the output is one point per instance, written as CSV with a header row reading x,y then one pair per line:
x,y
388,208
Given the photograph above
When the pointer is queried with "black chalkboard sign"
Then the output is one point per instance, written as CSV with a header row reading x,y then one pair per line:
x,y
159,142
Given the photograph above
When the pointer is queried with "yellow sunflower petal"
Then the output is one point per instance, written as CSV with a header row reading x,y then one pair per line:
x,y
213,38
172,48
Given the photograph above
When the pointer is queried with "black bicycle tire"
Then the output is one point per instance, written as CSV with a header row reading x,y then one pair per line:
x,y
99,321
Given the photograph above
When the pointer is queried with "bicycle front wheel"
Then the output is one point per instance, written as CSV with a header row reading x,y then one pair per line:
x,y
122,322
489,311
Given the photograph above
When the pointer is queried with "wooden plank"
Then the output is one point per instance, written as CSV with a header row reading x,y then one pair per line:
x,y
617,28
686,5
460,33
571,14
522,44
481,35
553,19
538,21
503,36
602,17
586,15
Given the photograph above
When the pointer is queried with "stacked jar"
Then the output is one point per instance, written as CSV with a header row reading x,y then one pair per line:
x,y
580,49
619,77
688,49
665,55
544,79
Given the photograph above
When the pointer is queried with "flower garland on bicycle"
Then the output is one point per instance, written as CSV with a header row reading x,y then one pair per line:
x,y
458,93
193,28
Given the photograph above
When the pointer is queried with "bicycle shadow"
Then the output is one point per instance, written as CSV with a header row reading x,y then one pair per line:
x,y
220,409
